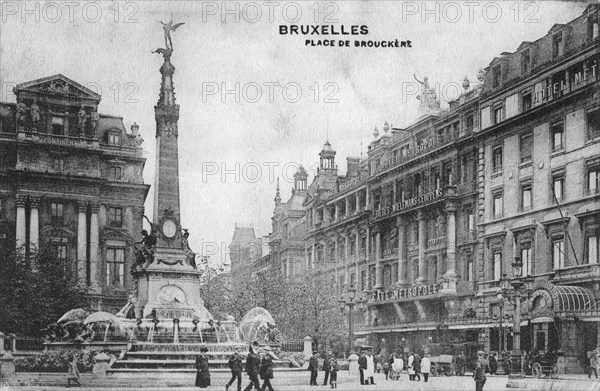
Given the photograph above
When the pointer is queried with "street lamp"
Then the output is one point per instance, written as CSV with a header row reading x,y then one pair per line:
x,y
516,283
349,301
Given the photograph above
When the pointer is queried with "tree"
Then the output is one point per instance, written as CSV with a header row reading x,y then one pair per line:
x,y
36,290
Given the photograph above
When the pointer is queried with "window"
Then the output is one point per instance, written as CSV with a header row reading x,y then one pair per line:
x,y
58,126
470,272
525,62
558,130
2,207
115,217
114,139
558,187
498,205
593,241
60,251
497,265
59,164
470,221
115,173
557,45
363,280
593,26
527,101
56,212
115,267
525,197
496,76
469,122
594,180
497,159
498,114
593,123
558,252
526,147
527,258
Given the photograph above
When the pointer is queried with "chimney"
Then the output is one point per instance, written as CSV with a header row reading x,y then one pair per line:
x,y
352,163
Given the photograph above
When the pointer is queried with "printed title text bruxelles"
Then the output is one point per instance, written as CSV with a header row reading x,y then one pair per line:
x,y
328,30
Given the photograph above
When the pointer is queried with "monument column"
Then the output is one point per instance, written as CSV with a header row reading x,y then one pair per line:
x,y
82,241
402,281
34,224
422,279
21,234
94,250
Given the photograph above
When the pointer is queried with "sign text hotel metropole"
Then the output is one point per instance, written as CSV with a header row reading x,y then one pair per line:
x,y
386,210
405,293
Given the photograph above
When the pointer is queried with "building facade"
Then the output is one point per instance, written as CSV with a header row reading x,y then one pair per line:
x,y
427,227
245,250
72,179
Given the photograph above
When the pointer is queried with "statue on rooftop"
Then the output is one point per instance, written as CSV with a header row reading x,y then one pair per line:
x,y
167,28
428,97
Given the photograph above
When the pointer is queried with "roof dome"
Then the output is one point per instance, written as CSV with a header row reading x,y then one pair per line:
x,y
327,147
301,171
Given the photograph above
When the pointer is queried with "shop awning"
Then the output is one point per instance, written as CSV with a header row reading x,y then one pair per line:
x,y
542,319
573,298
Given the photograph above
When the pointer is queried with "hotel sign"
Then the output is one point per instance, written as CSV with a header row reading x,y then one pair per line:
x,y
406,293
414,201
566,81
425,145
351,182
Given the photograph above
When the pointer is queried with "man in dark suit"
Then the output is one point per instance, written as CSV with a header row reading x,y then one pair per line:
x,y
313,367
235,364
326,367
253,367
362,366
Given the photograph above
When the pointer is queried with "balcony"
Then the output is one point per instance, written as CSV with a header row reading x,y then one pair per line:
x,y
578,273
466,236
413,247
437,242
466,188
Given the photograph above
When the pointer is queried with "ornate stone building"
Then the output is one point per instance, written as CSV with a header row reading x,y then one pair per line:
x,y
539,185
245,250
71,178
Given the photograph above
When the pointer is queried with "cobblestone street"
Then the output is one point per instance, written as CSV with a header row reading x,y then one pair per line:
x,y
494,383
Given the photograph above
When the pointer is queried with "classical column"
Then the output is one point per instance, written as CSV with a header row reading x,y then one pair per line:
x,y
313,255
422,279
378,267
347,258
94,250
82,241
451,246
21,223
367,261
357,201
402,281
34,224
347,201
357,259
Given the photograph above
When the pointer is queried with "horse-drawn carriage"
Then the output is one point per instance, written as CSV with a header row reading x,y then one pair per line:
x,y
544,364
451,359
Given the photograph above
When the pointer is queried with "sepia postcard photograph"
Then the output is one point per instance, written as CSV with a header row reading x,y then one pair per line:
x,y
281,195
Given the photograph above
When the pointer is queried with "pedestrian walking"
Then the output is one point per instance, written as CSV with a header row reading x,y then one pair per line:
x,y
593,365
253,367
313,367
362,367
370,371
73,372
235,365
425,367
326,367
493,361
411,368
479,372
417,367
202,371
597,362
266,368
506,363
334,368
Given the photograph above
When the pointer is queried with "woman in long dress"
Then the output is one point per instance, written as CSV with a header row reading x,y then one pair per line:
x,y
203,374
370,371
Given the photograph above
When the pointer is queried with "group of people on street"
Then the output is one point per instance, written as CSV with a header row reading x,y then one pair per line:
x,y
330,367
259,363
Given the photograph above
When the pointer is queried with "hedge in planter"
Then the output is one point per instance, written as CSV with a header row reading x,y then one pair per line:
x,y
56,361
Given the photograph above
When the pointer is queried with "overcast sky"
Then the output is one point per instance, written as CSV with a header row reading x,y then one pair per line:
x,y
344,92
